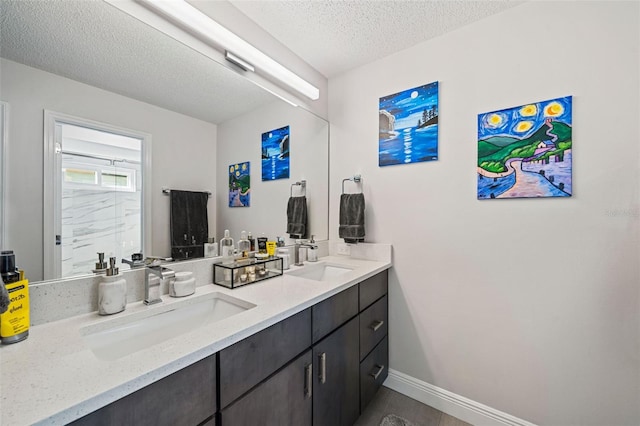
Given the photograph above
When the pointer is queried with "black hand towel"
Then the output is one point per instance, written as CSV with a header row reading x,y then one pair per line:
x,y
189,223
351,218
297,217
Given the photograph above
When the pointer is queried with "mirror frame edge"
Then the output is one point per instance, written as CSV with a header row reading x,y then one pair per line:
x,y
4,136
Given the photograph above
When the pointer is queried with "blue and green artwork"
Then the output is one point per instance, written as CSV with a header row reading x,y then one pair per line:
x,y
275,154
525,152
239,185
408,131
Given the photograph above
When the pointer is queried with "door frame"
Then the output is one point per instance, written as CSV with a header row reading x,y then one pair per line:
x,y
52,184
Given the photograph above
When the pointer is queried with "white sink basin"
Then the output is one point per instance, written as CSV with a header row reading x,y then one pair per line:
x,y
128,334
320,271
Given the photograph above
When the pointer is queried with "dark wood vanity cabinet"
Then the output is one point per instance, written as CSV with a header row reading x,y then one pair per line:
x,y
336,377
321,366
374,346
186,397
250,361
283,399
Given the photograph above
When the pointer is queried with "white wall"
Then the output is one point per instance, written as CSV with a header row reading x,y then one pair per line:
x,y
183,153
529,306
240,140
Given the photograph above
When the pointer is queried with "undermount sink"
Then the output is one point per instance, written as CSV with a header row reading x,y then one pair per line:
x,y
320,271
125,335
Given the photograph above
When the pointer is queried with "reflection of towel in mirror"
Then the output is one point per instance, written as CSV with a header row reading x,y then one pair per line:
x,y
351,218
4,298
297,217
189,223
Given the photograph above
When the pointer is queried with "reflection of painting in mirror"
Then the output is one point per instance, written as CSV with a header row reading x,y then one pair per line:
x,y
239,185
408,129
525,152
275,154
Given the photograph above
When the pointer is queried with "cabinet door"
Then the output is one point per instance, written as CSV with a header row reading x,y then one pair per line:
x,y
373,372
333,312
373,326
283,399
373,288
186,397
250,361
336,383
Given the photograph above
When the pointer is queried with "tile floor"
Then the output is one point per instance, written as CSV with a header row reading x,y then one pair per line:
x,y
388,401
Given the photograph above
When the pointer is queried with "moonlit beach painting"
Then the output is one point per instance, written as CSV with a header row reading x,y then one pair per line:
x,y
239,185
275,154
408,131
525,152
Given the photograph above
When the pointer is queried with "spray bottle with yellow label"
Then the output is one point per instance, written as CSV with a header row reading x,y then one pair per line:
x,y
14,322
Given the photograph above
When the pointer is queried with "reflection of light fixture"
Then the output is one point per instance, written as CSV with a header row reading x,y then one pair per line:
x,y
238,61
196,21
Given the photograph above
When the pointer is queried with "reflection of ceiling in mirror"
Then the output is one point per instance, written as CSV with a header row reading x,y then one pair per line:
x,y
95,43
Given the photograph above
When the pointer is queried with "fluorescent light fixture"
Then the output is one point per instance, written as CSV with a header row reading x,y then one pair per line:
x,y
191,18
238,61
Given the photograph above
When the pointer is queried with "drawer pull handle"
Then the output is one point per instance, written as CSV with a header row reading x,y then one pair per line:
x,y
308,379
376,325
377,373
322,359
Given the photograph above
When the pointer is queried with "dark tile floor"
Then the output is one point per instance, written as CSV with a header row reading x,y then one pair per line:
x,y
388,401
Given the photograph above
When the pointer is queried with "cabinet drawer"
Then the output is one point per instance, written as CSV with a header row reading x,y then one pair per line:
x,y
372,289
373,326
187,396
250,361
373,372
333,312
285,399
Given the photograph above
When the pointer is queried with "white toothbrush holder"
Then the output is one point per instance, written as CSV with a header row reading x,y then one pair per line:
x,y
183,285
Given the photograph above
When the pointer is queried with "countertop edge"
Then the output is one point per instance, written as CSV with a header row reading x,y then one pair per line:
x,y
93,403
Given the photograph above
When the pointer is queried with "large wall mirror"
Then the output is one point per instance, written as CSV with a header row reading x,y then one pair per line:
x,y
90,61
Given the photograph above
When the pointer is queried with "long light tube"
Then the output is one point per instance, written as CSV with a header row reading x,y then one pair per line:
x,y
196,21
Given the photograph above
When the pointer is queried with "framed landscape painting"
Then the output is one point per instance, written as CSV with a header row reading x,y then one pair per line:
x,y
275,154
408,126
526,151
239,185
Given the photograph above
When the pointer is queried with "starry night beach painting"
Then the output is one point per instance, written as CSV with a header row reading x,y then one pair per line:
x,y
239,185
525,152
408,131
275,154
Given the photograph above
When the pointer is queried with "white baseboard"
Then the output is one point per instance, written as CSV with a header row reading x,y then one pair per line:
x,y
448,402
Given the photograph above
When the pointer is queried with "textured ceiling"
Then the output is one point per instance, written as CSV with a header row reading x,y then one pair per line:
x,y
97,44
334,36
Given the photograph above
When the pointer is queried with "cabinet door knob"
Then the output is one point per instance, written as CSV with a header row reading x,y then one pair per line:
x,y
377,373
322,359
308,379
376,325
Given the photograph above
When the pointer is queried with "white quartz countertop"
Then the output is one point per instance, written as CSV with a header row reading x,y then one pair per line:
x,y
53,377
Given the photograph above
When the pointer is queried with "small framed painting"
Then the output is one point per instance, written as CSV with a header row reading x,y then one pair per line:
x,y
526,151
408,126
239,185
275,154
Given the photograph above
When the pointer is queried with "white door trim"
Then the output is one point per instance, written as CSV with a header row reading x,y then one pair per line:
x,y
51,176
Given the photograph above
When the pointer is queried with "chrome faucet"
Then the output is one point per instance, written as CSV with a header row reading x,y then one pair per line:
x,y
301,244
155,274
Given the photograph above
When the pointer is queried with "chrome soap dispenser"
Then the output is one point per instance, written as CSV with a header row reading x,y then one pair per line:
x,y
112,291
